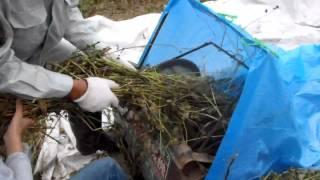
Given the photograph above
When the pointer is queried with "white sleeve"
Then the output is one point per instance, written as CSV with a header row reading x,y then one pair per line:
x,y
17,167
27,80
20,165
82,32
5,172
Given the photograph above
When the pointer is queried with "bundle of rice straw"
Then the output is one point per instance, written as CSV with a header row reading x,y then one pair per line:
x,y
178,108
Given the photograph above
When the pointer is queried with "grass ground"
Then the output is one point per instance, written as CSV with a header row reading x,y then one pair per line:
x,y
121,9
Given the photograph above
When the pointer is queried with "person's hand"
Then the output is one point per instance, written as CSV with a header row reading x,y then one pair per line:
x,y
78,89
98,95
13,135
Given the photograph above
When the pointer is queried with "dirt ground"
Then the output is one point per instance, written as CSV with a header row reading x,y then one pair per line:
x,y
121,9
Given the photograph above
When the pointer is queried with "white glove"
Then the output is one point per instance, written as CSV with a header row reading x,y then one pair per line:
x,y
98,95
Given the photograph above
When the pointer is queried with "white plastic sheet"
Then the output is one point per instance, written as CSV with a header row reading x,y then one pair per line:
x,y
285,23
59,158
127,39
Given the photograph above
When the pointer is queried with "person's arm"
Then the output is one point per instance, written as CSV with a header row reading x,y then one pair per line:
x,y
27,80
82,32
18,163
32,81
5,172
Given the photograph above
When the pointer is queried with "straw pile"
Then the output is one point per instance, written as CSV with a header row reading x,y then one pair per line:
x,y
294,174
177,108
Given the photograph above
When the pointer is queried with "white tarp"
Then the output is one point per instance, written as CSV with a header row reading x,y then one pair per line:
x,y
58,157
126,39
286,23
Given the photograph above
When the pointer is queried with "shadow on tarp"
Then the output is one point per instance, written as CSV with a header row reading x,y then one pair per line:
x,y
275,124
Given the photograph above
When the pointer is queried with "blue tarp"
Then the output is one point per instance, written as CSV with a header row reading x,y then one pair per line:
x,y
275,124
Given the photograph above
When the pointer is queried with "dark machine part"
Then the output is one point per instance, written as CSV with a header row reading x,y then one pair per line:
x,y
88,141
178,162
178,66
2,35
189,162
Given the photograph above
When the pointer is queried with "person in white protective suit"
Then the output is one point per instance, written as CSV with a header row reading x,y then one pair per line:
x,y
36,32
